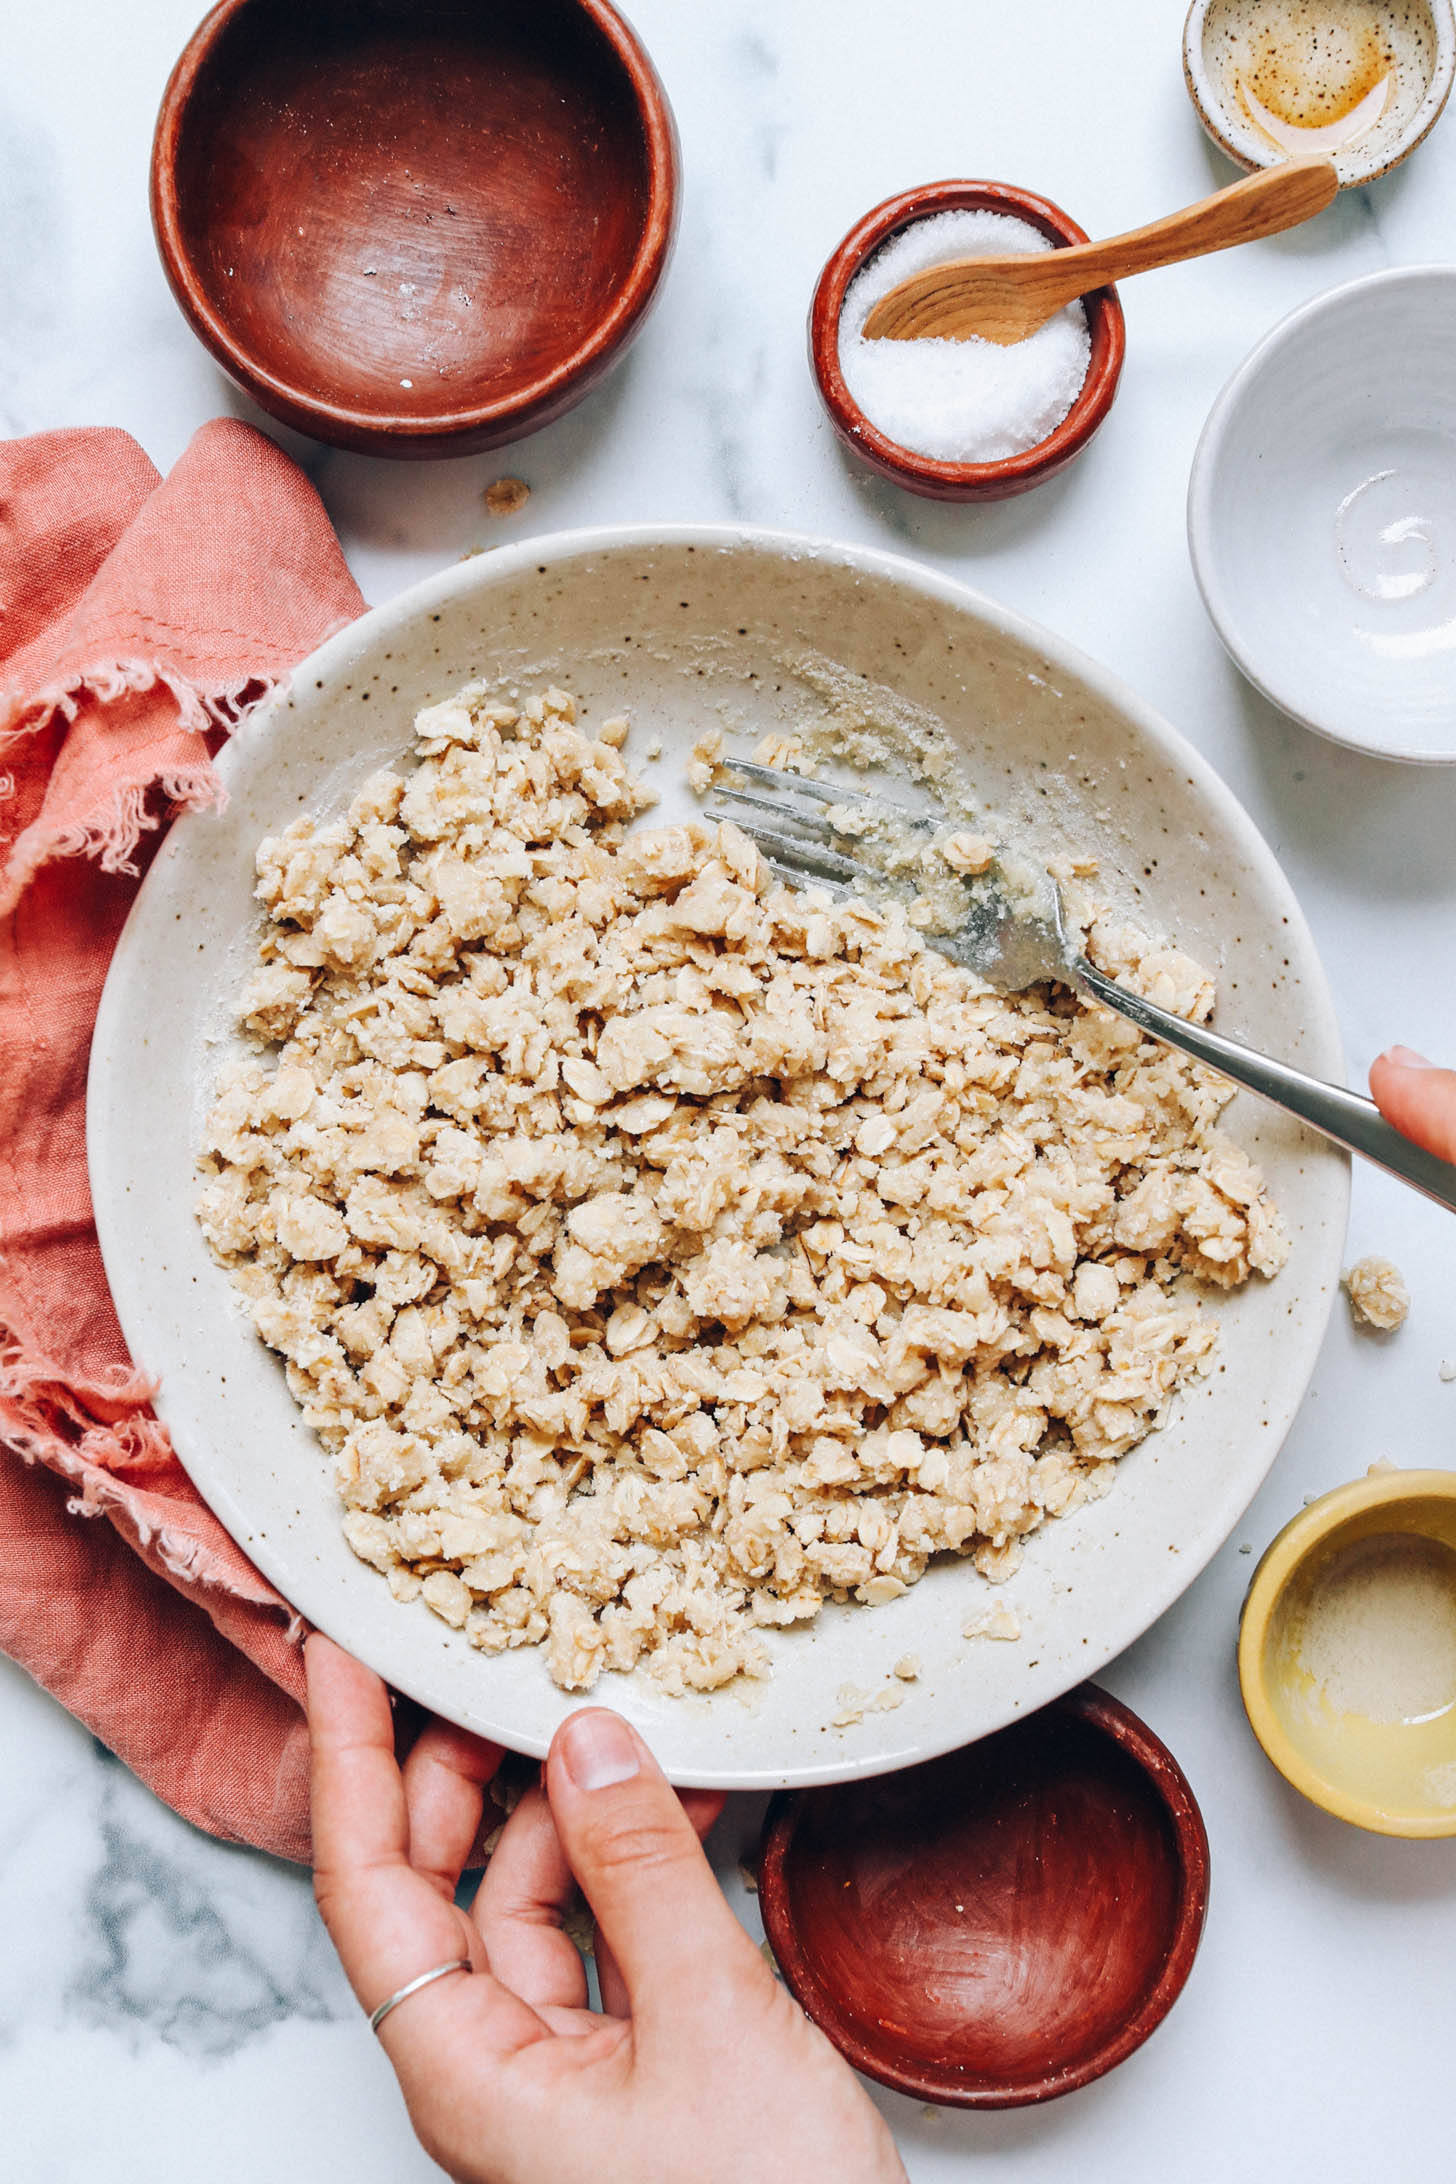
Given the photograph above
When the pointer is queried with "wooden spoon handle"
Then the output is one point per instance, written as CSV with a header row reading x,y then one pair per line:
x,y
1262,204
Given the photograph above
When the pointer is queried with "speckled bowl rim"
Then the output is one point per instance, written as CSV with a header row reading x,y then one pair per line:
x,y
1203,490
922,473
508,416
1132,1737
1210,110
419,1663
1287,1554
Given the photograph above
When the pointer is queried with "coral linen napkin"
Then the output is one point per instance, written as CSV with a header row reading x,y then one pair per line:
x,y
140,619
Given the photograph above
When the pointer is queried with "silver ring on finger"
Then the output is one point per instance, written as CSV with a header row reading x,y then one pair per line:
x,y
413,1986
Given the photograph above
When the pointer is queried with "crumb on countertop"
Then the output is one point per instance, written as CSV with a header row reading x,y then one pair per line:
x,y
506,496
1377,1292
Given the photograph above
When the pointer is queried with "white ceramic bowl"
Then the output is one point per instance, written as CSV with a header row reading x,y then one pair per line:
x,y
1322,514
752,630
1326,73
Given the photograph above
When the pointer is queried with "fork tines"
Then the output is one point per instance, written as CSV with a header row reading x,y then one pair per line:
x,y
803,856
774,801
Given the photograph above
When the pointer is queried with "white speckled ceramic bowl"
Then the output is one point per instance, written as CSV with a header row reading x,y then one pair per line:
x,y
751,630
1322,514
1319,65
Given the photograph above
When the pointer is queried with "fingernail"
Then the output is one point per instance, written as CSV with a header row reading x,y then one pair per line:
x,y
1407,1058
599,1749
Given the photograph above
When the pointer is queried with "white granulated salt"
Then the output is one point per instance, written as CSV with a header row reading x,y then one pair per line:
x,y
960,401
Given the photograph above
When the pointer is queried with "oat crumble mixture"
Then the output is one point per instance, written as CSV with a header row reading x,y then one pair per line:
x,y
662,1252
1377,1292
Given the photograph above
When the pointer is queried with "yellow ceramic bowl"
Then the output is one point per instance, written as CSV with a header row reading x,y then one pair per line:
x,y
1347,1652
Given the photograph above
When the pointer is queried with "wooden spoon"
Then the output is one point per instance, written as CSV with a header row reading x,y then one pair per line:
x,y
1005,299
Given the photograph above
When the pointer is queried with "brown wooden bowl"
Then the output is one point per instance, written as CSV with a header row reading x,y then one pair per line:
x,y
414,230
1001,1925
921,473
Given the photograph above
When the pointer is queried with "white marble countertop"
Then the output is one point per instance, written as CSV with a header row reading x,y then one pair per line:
x,y
170,2009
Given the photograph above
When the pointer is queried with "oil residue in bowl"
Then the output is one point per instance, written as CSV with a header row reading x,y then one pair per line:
x,y
1395,549
1378,1633
1317,65
1369,1681
1303,136
1318,75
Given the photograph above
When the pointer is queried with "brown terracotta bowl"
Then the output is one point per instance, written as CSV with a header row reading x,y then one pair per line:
x,y
920,473
414,230
1001,1925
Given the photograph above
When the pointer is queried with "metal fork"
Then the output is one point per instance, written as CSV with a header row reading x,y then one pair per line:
x,y
807,834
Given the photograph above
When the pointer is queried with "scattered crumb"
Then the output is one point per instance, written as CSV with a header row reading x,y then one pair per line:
x,y
965,852
1378,1295
907,1668
1245,1547
507,496
770,1959
613,732
1381,1463
654,748
511,1780
471,553
786,754
707,755
747,1875
1067,869
850,1704
997,1622
931,2113
1448,1370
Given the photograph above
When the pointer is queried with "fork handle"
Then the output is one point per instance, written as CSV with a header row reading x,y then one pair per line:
x,y
1351,1121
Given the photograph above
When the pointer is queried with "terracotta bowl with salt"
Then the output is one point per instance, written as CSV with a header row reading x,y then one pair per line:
x,y
931,475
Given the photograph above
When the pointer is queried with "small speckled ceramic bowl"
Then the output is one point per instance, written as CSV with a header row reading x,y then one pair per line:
x,y
1002,1925
1315,71
1394,1776
921,473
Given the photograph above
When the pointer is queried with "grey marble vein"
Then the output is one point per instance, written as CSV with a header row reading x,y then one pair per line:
x,y
193,1943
